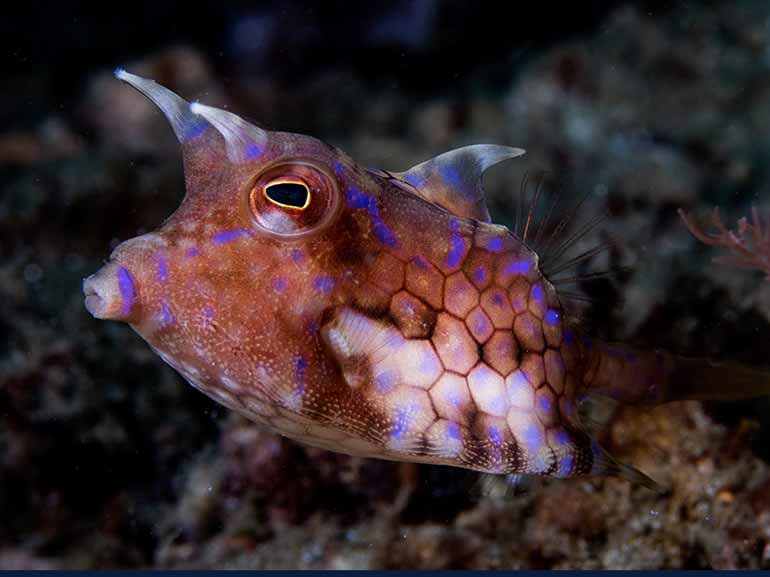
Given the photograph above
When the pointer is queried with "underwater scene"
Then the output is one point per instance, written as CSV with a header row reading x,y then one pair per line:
x,y
385,285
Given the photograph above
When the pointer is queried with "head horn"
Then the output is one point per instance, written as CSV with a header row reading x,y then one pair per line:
x,y
186,125
243,140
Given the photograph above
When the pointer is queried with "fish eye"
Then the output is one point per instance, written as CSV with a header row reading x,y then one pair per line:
x,y
288,194
293,198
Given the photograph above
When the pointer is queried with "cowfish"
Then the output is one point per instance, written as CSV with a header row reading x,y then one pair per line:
x,y
375,313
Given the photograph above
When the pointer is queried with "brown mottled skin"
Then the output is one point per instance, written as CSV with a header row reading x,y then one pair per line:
x,y
374,321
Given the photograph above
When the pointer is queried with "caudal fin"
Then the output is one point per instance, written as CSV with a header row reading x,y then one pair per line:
x,y
655,377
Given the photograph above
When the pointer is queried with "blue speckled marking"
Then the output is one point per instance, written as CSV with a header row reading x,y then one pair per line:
x,y
312,327
561,438
300,366
194,129
208,314
533,439
544,403
552,317
494,435
497,298
421,263
416,180
400,423
565,466
161,271
453,431
279,284
480,274
517,267
253,151
357,199
324,284
456,247
166,318
537,293
385,381
451,176
494,245
481,324
192,251
127,293
338,168
297,255
226,236
428,362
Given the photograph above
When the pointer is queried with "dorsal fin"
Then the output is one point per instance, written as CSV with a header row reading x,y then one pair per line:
x,y
453,180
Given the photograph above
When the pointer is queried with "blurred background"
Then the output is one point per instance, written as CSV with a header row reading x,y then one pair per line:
x,y
109,460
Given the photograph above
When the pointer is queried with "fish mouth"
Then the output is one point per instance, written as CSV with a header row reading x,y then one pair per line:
x,y
110,293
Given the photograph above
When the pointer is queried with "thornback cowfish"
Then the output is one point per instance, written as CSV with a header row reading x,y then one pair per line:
x,y
374,313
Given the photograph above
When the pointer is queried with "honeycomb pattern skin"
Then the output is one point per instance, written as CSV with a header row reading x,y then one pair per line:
x,y
387,327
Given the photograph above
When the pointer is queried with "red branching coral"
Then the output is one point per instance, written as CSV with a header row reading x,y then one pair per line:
x,y
748,246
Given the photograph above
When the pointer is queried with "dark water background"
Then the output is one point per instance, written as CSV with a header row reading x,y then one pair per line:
x,y
107,459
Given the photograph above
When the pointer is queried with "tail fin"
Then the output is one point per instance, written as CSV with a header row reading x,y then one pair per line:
x,y
655,377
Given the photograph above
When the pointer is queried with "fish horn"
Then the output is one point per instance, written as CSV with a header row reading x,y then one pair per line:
x,y
243,140
186,125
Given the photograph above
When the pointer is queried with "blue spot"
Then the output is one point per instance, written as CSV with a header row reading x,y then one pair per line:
x,y
497,298
561,438
494,436
453,431
357,199
312,327
382,232
400,424
551,317
208,313
517,267
421,263
194,129
338,168
297,255
324,284
161,272
279,285
384,382
416,180
456,247
451,176
253,151
229,235
481,325
587,342
494,244
537,293
479,274
569,338
533,439
565,466
126,286
165,315
299,374
191,252
544,403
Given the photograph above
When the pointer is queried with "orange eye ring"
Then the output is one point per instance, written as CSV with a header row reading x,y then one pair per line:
x,y
288,195
293,198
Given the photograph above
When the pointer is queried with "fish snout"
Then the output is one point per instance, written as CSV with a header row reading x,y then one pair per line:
x,y
111,293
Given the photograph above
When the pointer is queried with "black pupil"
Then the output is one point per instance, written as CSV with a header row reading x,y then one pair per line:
x,y
288,194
